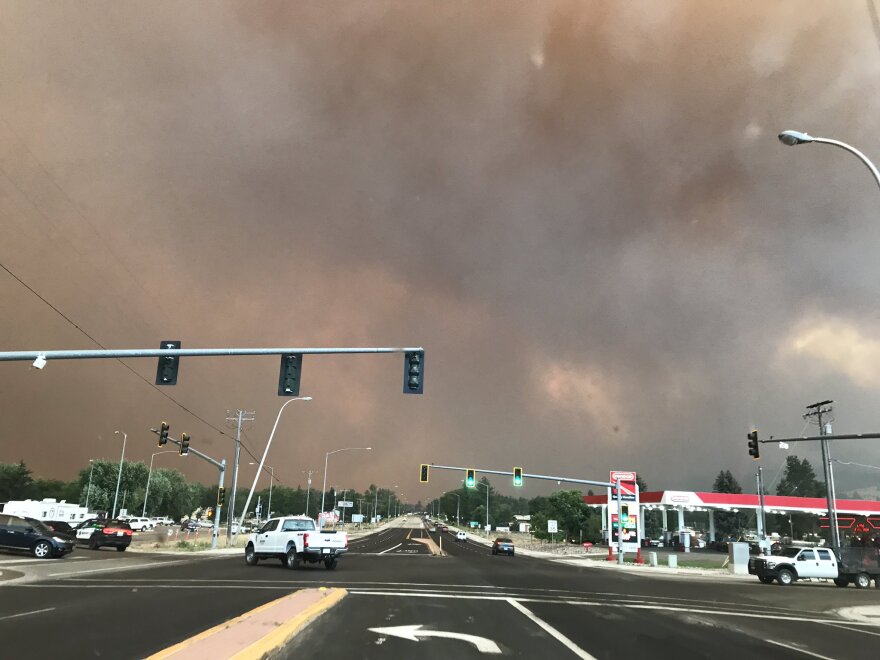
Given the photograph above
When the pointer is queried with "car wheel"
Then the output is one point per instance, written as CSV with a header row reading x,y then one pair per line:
x,y
250,556
863,581
291,560
841,582
785,577
494,552
121,548
766,579
93,544
42,550
511,554
330,564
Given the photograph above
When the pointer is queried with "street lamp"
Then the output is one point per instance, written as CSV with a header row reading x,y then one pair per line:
x,y
119,477
150,474
271,479
794,138
326,458
89,491
263,459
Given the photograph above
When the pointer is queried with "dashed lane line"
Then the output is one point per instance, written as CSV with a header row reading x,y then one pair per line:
x,y
21,614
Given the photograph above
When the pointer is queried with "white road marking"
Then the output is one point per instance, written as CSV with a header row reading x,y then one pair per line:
x,y
390,549
799,650
31,560
127,567
412,633
15,616
845,626
550,630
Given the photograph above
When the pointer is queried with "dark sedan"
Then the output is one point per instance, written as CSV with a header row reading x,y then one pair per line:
x,y
60,526
502,546
19,534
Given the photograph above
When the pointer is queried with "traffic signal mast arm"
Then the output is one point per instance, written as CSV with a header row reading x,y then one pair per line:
x,y
849,436
13,356
589,482
221,465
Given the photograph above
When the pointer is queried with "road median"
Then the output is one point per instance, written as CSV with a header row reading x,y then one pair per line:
x,y
259,633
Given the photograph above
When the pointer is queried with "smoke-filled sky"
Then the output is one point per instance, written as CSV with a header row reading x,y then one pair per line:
x,y
580,209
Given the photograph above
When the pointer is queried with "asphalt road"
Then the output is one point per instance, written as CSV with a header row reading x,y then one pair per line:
x,y
467,603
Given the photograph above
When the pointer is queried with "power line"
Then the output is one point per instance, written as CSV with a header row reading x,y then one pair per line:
x,y
100,345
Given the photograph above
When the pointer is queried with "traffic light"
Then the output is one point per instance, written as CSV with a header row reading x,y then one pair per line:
x,y
517,476
166,372
470,479
221,496
754,449
163,434
184,444
423,474
414,372
288,378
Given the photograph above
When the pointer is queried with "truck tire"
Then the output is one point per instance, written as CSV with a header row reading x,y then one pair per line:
x,y
841,581
862,581
765,579
785,577
250,556
330,564
291,560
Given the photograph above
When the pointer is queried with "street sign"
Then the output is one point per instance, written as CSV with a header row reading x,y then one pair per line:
x,y
552,527
357,517
345,504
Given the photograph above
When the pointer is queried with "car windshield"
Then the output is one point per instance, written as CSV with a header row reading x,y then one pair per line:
x,y
297,525
118,524
503,541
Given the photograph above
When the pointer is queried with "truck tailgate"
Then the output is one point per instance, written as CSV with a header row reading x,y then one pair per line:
x,y
324,539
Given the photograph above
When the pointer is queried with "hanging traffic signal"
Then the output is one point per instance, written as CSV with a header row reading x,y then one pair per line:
x,y
221,496
288,378
163,434
423,473
470,479
184,444
166,372
754,450
413,372
517,476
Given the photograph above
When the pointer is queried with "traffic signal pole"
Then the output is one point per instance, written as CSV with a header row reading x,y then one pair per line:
x,y
221,466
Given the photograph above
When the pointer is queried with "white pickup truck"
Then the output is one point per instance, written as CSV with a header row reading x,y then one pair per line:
x,y
858,565
295,539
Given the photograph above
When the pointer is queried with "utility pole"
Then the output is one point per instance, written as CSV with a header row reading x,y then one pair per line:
x,y
308,488
821,410
235,419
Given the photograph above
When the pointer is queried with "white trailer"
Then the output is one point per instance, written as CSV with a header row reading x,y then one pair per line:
x,y
48,509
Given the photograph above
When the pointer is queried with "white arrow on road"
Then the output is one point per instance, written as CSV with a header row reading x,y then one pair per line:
x,y
413,633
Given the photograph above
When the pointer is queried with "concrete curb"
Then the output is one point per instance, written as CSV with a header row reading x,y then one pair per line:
x,y
259,633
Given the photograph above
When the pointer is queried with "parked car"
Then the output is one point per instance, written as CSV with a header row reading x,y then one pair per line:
x,y
21,535
502,546
139,524
98,533
189,525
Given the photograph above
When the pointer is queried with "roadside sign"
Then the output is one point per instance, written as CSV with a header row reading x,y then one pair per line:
x,y
357,517
552,527
627,485
474,523
345,504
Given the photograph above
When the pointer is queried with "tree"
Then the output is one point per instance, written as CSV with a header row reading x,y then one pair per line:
x,y
727,522
643,486
15,481
799,480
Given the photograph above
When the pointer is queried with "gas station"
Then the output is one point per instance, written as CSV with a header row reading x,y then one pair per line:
x,y
858,516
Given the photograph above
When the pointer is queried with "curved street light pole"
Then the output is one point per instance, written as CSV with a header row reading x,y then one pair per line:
x,y
119,476
263,459
794,138
150,475
791,139
326,459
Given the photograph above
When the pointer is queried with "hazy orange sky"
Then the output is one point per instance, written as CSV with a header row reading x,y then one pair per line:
x,y
580,209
